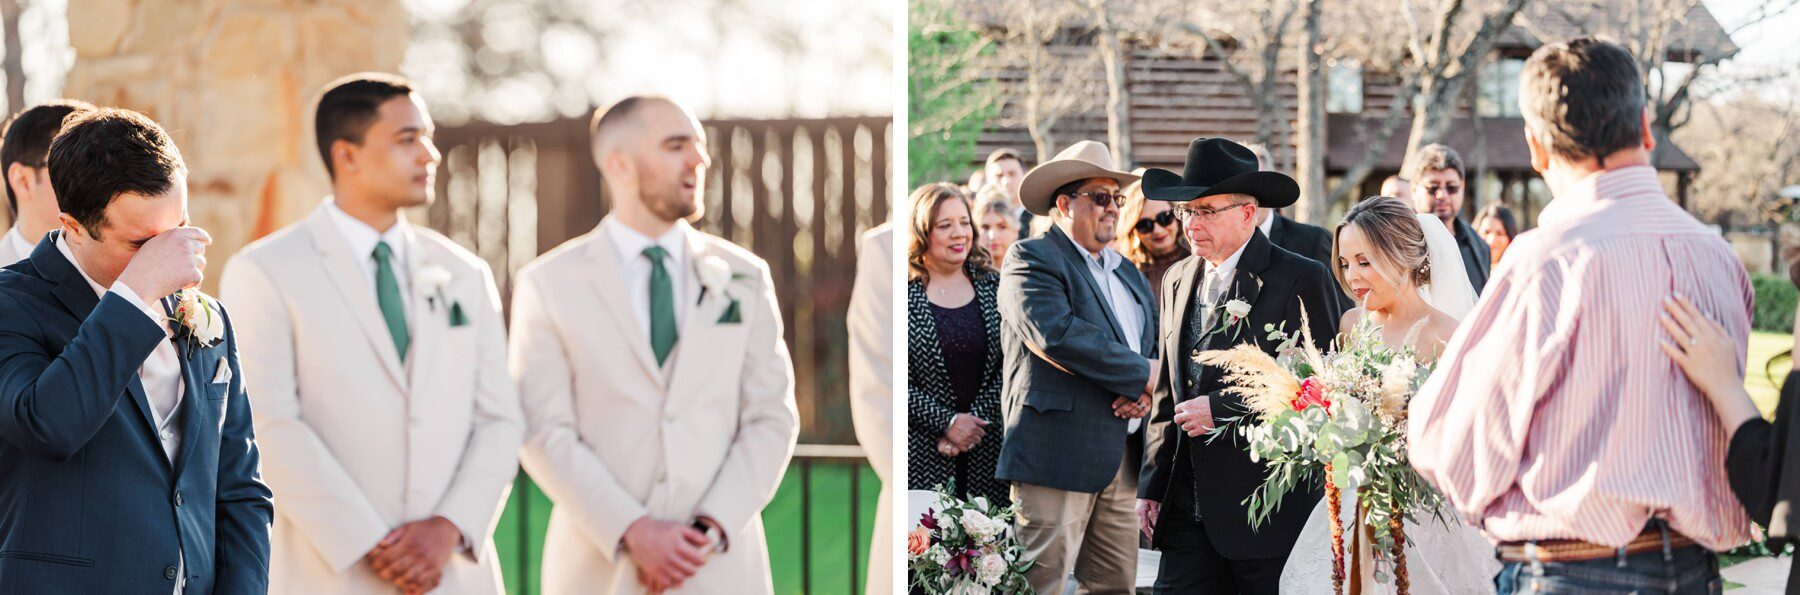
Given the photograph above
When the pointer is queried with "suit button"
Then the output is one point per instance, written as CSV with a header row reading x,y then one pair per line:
x,y
169,572
178,498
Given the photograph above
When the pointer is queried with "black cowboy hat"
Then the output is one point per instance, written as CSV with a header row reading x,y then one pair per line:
x,y
1218,166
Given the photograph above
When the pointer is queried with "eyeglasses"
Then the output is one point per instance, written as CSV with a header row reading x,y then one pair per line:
x,y
1163,219
1447,188
1187,213
1102,198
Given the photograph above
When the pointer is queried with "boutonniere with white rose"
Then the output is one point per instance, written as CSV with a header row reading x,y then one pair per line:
x,y
198,320
1232,316
432,280
716,276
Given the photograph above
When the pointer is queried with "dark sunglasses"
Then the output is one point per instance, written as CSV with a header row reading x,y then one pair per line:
x,y
1163,219
1447,188
1103,198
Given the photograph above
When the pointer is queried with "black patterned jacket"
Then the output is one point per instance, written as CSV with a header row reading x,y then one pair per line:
x,y
930,402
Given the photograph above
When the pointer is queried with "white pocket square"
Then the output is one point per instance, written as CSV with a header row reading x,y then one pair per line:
x,y
224,373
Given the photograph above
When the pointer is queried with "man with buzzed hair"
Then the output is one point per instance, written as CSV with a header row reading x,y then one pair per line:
x,y
658,393
29,198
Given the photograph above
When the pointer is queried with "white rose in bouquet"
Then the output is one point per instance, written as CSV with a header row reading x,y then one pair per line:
x,y
990,569
981,527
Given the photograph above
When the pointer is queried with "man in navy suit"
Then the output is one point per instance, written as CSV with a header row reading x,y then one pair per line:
x,y
127,460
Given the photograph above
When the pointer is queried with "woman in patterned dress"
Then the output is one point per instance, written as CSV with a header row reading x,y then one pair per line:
x,y
953,342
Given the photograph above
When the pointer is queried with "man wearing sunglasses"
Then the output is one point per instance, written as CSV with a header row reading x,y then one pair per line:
x,y
1438,190
1193,489
1078,334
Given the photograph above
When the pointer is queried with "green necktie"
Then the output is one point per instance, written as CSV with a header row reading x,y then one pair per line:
x,y
662,305
387,292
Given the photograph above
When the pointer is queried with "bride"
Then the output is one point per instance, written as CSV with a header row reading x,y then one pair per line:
x,y
1406,274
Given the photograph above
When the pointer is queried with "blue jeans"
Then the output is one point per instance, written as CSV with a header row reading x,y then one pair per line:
x,y
1679,571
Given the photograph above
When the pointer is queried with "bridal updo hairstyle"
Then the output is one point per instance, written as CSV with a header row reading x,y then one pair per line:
x,y
1393,229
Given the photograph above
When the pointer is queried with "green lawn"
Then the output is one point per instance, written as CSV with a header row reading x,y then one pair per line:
x,y
837,539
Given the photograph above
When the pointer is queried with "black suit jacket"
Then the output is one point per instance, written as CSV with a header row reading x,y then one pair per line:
x,y
1312,242
1275,282
1475,253
89,503
1060,429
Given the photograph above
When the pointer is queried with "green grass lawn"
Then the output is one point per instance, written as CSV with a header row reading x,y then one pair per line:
x,y
838,540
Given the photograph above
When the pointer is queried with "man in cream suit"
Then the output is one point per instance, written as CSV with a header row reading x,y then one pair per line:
x,y
658,393
389,426
29,197
871,326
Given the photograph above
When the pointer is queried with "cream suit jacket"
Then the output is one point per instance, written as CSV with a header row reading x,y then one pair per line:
x,y
871,326
356,441
613,437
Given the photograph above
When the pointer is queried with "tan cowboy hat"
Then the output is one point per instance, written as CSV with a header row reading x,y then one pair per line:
x,y
1082,160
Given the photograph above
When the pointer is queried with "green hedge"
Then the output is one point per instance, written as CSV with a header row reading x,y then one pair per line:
x,y
1775,298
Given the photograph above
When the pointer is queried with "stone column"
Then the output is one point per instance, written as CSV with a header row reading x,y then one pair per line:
x,y
233,81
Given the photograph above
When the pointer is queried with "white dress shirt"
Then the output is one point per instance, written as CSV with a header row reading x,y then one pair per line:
x,y
160,375
14,248
1125,307
363,238
1217,281
1267,225
634,266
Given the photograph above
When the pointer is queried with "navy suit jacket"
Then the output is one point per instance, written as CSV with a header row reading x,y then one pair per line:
x,y
1060,431
89,503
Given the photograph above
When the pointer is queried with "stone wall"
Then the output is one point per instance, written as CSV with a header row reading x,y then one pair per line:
x,y
234,82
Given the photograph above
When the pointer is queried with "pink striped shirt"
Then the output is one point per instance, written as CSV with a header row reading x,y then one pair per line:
x,y
1553,413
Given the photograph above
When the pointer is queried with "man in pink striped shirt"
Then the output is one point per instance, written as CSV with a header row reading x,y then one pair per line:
x,y
1554,422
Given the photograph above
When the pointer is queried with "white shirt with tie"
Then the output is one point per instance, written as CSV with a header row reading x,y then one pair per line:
x,y
634,266
1124,306
160,375
1217,281
363,238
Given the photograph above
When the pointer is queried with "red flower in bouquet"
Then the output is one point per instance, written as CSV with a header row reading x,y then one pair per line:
x,y
1312,392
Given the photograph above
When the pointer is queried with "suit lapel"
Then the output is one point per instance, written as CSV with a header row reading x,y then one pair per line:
x,y
78,297
610,284
194,402
1245,286
346,275
1185,277
1079,262
430,315
702,338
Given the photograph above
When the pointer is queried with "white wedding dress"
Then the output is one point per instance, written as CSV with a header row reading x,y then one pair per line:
x,y
1441,557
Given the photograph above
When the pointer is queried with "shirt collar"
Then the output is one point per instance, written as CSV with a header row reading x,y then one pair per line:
x,y
1267,225
1230,265
63,247
363,237
19,242
1108,260
630,244
1596,187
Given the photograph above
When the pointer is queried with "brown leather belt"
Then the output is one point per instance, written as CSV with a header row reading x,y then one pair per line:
x,y
1570,550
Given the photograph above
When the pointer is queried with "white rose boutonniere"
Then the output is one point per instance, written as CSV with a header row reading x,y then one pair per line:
x,y
1233,314
197,318
716,277
432,279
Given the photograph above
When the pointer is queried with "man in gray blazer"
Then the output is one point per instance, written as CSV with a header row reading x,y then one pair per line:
x,y
1078,330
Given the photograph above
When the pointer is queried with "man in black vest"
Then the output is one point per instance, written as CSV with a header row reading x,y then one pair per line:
x,y
1192,492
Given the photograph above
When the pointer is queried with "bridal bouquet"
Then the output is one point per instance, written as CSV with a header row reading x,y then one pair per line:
x,y
1339,414
966,549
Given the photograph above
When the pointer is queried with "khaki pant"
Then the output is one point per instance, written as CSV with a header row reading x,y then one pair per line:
x,y
1093,534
